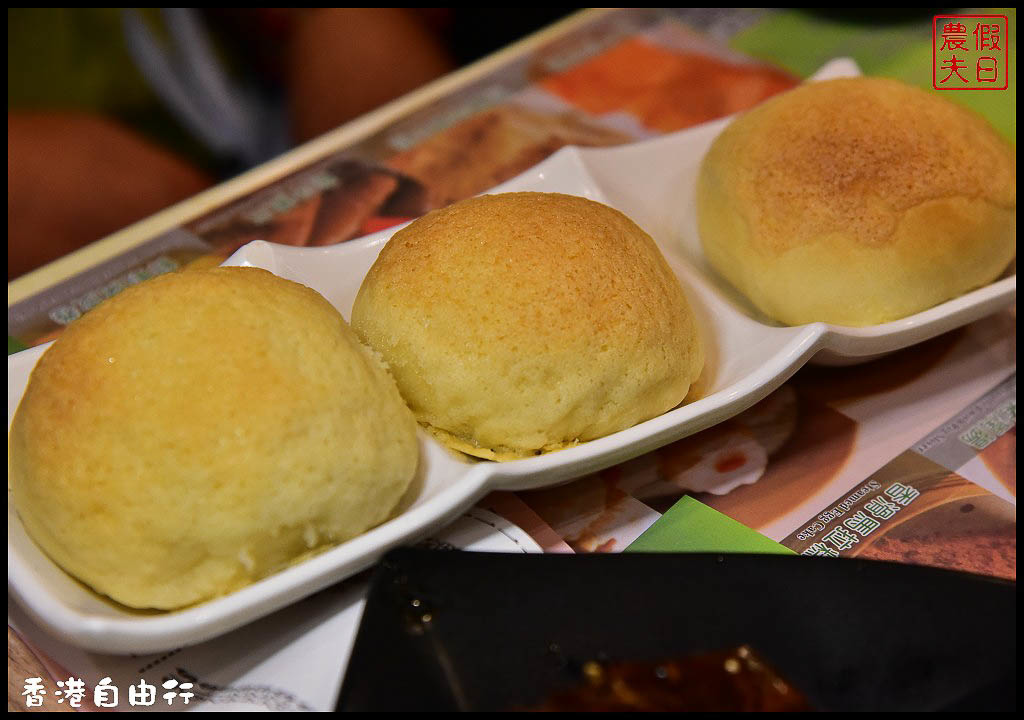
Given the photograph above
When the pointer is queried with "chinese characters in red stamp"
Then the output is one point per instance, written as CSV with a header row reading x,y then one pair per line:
x,y
970,52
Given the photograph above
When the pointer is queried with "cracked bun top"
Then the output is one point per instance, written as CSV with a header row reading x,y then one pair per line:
x,y
520,323
202,430
857,201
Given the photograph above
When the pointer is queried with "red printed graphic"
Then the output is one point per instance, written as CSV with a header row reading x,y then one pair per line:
x,y
970,52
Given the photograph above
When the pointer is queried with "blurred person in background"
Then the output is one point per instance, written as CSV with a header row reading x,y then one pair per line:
x,y
116,114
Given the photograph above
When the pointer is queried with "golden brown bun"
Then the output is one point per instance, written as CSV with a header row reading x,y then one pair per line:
x,y
202,430
526,322
857,201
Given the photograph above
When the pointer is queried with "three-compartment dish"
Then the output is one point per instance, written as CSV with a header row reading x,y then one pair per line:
x,y
746,357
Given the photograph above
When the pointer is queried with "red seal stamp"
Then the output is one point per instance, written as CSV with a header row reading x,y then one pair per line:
x,y
970,52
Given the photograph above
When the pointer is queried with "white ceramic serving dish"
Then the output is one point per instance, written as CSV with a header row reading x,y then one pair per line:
x,y
747,358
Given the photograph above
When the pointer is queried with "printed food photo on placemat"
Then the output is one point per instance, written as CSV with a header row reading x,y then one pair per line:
x,y
1001,459
666,88
493,146
916,511
808,445
331,202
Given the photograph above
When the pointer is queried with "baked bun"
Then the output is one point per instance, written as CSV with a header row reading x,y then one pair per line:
x,y
857,201
202,430
521,323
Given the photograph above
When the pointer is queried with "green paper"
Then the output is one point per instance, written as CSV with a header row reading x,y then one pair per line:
x,y
14,345
691,526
